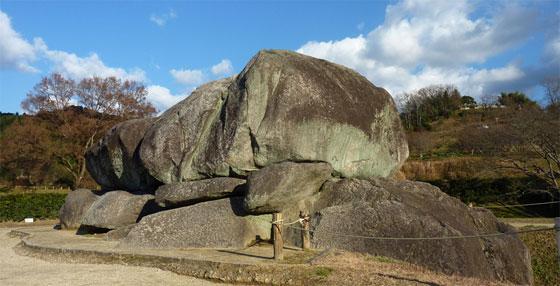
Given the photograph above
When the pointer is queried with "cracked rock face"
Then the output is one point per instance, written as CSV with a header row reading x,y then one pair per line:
x,y
279,186
75,206
221,223
114,162
191,192
176,139
388,208
282,107
116,209
293,107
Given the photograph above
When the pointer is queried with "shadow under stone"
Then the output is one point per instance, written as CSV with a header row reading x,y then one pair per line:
x,y
86,229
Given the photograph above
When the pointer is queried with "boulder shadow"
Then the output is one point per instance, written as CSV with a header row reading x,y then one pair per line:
x,y
86,229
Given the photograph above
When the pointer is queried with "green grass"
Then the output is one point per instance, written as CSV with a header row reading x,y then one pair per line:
x,y
383,259
323,272
542,246
4,190
16,207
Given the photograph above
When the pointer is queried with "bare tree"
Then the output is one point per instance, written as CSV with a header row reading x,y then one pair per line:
x,y
103,102
52,93
552,90
538,134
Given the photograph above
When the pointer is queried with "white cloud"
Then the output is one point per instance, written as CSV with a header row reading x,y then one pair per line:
x,y
222,68
162,19
441,33
422,43
15,52
188,77
73,66
162,98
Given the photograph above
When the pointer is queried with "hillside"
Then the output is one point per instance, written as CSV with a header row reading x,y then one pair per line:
x,y
459,155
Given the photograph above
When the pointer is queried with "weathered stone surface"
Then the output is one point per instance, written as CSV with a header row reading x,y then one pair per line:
x,y
177,136
114,161
389,208
116,209
280,186
285,106
190,192
75,206
220,223
119,233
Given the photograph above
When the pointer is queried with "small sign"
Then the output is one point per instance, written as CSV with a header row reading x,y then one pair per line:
x,y
28,220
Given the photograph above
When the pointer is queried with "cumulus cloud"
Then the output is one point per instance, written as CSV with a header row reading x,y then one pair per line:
x,y
222,68
195,77
436,32
435,42
162,19
188,77
15,51
162,97
73,66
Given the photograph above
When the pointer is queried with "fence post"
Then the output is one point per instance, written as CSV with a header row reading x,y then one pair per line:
x,y
277,236
557,230
305,237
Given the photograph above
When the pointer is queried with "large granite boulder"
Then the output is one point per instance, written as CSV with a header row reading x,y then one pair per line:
x,y
191,192
284,106
349,209
75,206
220,223
116,209
181,132
114,161
284,185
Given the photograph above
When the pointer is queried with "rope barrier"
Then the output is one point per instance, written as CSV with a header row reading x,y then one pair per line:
x,y
288,225
521,205
437,238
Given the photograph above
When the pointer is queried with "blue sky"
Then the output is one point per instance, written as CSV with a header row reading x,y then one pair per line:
x,y
482,47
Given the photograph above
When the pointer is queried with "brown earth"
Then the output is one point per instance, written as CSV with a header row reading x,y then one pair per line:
x,y
19,270
253,266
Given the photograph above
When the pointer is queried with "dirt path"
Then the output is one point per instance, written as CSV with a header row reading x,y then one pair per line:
x,y
20,270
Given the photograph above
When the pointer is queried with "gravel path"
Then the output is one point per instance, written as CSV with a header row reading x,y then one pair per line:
x,y
18,270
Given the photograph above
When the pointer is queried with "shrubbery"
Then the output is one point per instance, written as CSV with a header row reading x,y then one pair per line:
x,y
16,207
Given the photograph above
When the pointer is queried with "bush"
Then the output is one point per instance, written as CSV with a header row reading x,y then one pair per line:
x,y
16,207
